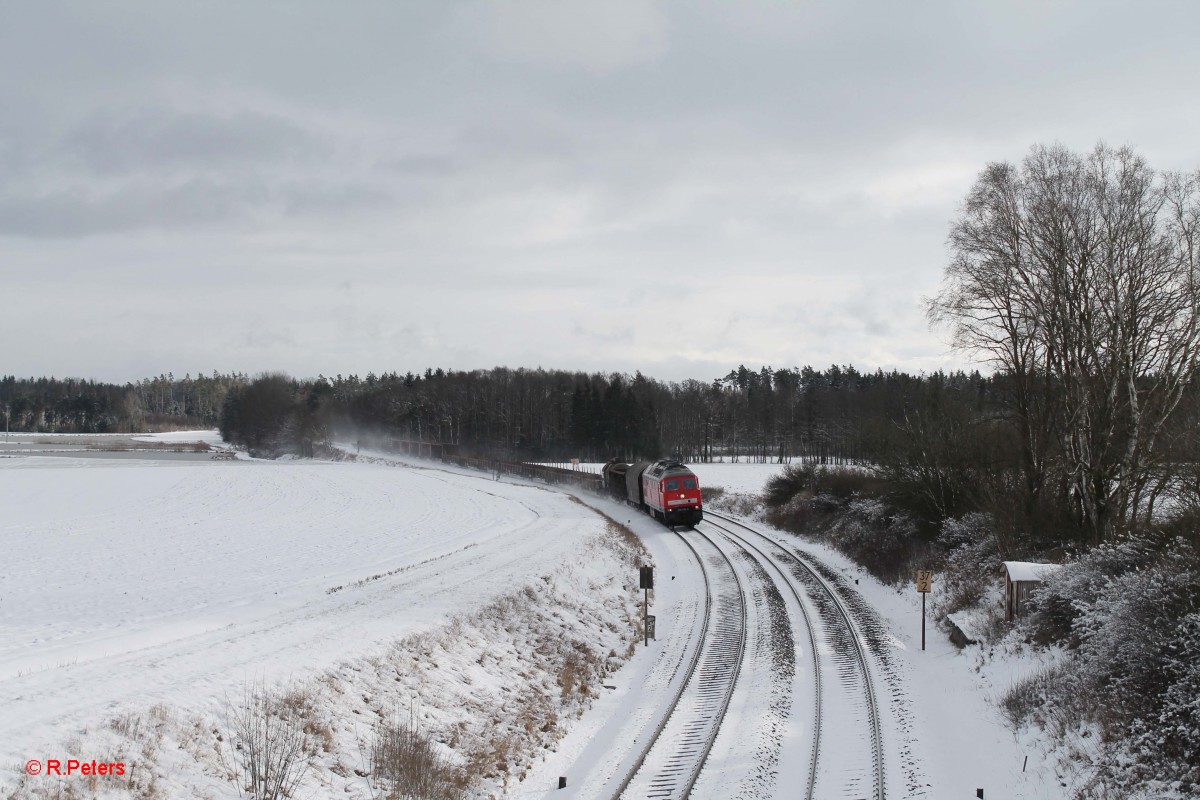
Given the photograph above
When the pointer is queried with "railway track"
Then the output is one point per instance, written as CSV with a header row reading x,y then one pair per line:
x,y
674,755
847,759
669,764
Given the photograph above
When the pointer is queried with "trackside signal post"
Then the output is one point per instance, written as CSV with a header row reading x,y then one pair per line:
x,y
924,584
646,583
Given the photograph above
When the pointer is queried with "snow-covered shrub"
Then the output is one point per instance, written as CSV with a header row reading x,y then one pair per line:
x,y
741,504
807,481
1131,611
971,562
791,481
877,536
1030,697
1125,631
1173,736
1058,601
845,508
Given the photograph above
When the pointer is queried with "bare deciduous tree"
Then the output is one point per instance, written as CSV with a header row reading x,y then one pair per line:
x,y
1076,275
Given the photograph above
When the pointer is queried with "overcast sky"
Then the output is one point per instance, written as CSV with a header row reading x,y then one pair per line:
x,y
675,187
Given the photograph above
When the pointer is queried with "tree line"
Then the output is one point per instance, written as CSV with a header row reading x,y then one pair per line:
x,y
835,415
74,405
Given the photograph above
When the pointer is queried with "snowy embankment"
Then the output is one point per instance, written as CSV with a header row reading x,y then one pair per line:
x,y
139,599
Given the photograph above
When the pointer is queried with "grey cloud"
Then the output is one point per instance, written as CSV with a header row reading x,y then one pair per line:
x,y
80,213
620,334
258,336
599,37
239,200
420,166
551,189
160,137
163,167
332,197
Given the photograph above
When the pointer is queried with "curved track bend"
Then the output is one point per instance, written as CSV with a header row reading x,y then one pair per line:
x,y
847,758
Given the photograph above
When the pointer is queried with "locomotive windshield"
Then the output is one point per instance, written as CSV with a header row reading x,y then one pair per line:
x,y
689,483
672,486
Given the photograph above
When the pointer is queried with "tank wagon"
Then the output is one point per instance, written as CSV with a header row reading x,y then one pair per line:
x,y
666,489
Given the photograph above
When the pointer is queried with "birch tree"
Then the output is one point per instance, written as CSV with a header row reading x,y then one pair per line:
x,y
1076,275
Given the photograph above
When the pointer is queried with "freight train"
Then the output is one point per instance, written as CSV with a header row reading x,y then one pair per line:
x,y
667,490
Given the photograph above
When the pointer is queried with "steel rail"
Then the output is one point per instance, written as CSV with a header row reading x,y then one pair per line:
x,y
641,759
709,681
858,651
812,644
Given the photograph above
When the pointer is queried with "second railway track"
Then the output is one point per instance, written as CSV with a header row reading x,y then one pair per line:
x,y
847,757
845,751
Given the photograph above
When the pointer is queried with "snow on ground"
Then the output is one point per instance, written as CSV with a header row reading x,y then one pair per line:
x,y
140,594
211,438
600,749
130,585
742,478
192,442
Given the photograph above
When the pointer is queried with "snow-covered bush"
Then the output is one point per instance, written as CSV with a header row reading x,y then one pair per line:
x,y
1031,697
1058,602
1130,611
971,562
791,481
879,537
845,508
742,504
807,481
1172,738
1125,631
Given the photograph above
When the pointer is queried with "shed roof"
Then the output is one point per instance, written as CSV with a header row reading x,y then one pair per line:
x,y
1028,570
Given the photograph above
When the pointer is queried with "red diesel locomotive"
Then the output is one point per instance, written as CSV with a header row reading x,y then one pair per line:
x,y
666,489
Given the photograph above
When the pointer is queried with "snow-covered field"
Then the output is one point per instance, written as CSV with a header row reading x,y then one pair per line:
x,y
138,595
128,584
743,478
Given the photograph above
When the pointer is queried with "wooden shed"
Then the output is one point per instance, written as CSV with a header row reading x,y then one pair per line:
x,y
1019,580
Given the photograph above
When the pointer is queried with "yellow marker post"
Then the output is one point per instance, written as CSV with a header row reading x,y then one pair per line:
x,y
924,586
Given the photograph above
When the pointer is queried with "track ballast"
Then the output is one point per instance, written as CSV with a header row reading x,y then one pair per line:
x,y
672,760
847,760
